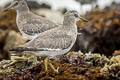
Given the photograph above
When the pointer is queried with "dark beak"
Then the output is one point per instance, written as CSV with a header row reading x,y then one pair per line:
x,y
83,19
9,7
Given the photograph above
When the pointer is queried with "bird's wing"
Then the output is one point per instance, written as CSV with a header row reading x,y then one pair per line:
x,y
51,40
36,26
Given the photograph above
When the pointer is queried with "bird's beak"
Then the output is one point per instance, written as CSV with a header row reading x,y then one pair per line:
x,y
9,7
83,19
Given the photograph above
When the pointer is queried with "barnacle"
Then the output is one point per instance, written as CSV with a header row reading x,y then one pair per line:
x,y
115,59
96,59
74,58
111,70
17,64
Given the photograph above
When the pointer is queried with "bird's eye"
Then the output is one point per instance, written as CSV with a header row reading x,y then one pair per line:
x,y
16,4
76,15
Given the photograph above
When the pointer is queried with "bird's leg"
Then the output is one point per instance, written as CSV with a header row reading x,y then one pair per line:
x,y
17,58
46,64
50,64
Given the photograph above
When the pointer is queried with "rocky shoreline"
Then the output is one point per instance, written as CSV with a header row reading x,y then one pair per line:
x,y
100,35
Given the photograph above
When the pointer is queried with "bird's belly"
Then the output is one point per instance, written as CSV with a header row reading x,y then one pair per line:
x,y
50,53
54,53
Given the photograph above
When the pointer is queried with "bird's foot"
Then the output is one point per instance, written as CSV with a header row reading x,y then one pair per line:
x,y
47,62
56,70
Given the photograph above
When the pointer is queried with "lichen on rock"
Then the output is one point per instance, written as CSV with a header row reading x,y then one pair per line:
x,y
112,69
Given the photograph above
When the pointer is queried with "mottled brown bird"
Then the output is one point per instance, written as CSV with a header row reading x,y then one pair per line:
x,y
29,24
54,42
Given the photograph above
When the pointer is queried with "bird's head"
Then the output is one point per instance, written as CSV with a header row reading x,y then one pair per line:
x,y
75,16
16,4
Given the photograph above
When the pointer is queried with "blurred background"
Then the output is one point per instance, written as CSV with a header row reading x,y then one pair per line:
x,y
100,35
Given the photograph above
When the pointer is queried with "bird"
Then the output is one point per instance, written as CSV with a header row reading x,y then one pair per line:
x,y
29,24
54,42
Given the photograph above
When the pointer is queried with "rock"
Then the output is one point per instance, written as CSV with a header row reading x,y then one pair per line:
x,y
8,20
83,41
32,69
54,16
1,55
2,36
116,52
101,33
13,39
89,59
36,5
112,69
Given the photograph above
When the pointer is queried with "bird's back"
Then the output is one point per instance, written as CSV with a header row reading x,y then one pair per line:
x,y
32,25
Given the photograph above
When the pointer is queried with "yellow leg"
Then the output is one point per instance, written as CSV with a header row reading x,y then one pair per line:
x,y
56,70
17,58
46,64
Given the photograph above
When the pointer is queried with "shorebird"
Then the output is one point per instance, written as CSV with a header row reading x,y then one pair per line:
x,y
29,24
54,42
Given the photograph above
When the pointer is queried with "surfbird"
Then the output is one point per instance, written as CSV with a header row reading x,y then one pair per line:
x,y
29,24
54,42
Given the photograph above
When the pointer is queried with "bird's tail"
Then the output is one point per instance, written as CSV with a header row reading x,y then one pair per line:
x,y
19,49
